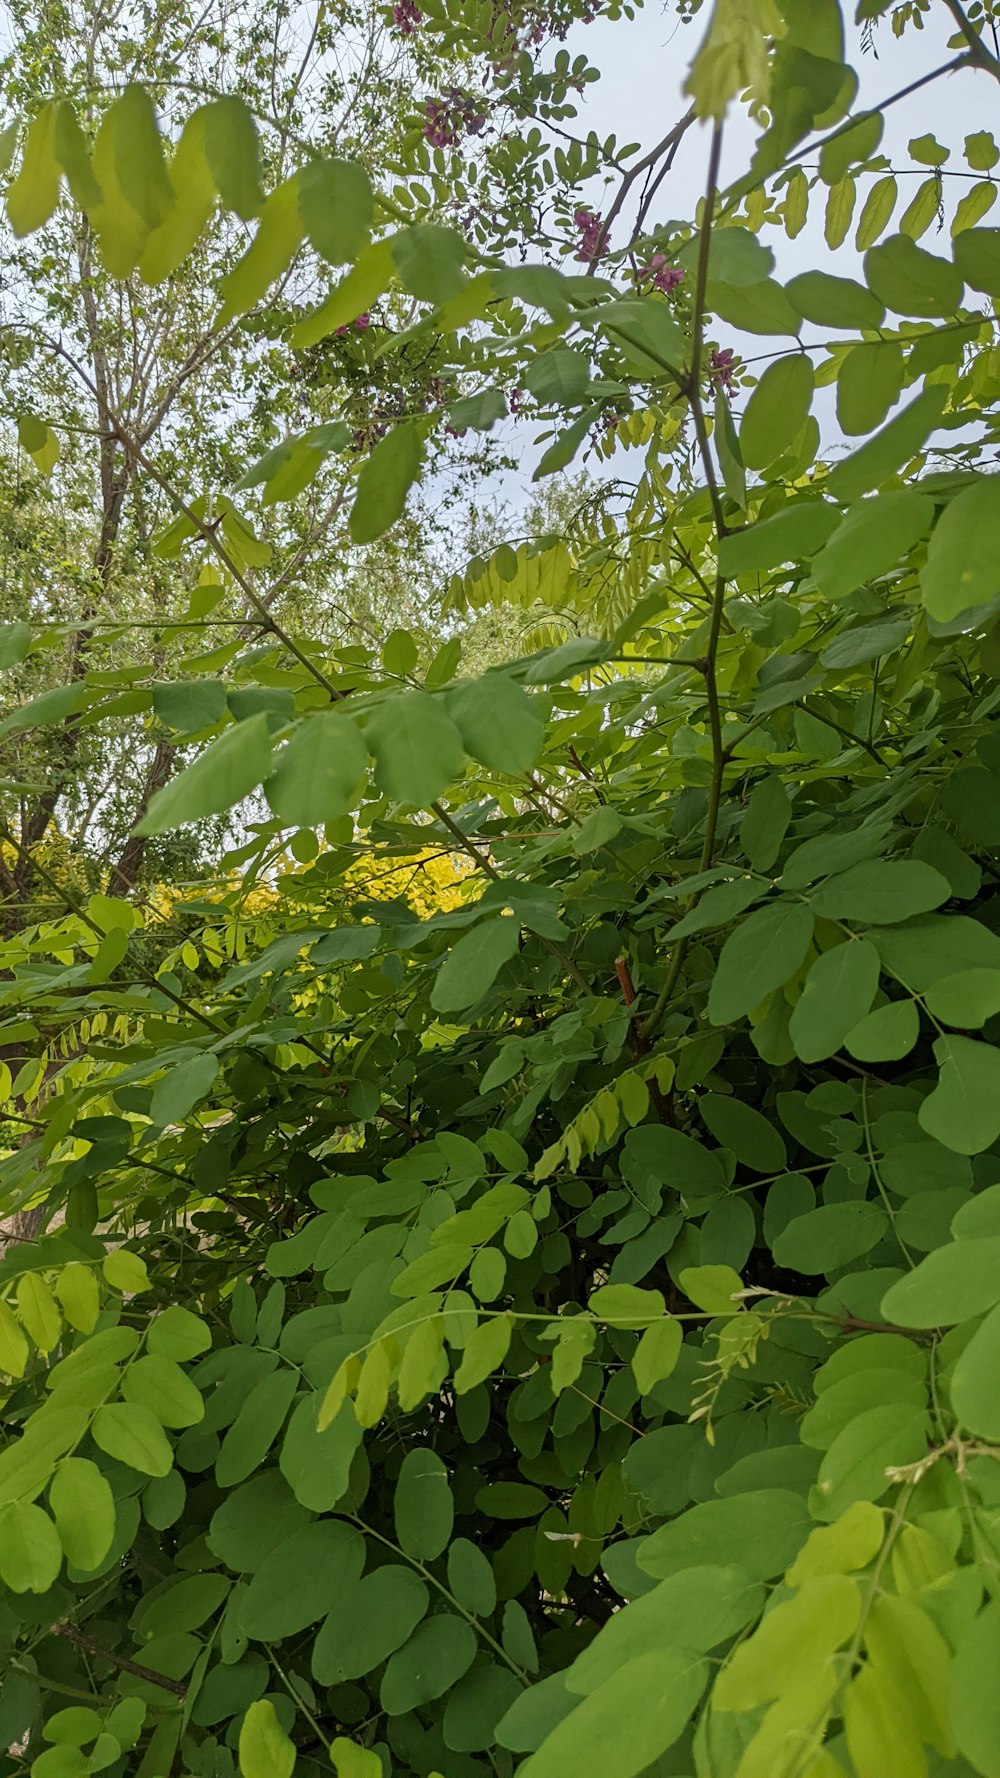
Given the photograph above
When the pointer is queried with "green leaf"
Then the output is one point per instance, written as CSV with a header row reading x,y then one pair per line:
x,y
929,151
762,307
627,1723
384,482
13,1345
34,194
300,1577
839,214
869,383
855,141
851,1542
534,1714
878,208
368,1622
973,1387
471,1577
177,1333
38,1311
798,531
777,410
336,204
423,1507
566,445
125,1271
952,1284
975,1702
167,246
923,209
227,772
911,281
728,450
30,1551
184,1087
712,1288
966,999
874,535
160,1385
753,1138
278,237
430,261
353,296
735,254
440,1650
824,1239
655,1357
353,1761
75,1727
485,1350
558,377
319,775
138,152
712,1603
881,456
473,964
795,1638
625,1305
880,892
499,723
835,302
15,641
981,151
511,1500
961,569
317,1465
759,1532
193,704
134,1436
977,258
417,748
881,1438
838,992
886,1035
265,1750
963,1111
762,954
232,152
765,823
83,1507
652,340
39,441
255,1428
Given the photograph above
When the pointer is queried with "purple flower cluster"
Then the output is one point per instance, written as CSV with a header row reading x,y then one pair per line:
x,y
448,118
360,322
406,16
722,366
592,242
665,277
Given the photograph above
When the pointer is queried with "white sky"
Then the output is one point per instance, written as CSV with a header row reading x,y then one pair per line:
x,y
643,66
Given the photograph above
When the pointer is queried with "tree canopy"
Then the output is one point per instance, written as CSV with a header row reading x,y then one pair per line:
x,y
499,1053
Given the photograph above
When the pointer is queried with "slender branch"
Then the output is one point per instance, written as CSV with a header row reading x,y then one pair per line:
x,y
486,864
719,594
979,55
90,1647
669,146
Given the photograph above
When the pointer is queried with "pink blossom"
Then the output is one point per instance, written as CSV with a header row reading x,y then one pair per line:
x,y
592,242
665,277
406,16
722,365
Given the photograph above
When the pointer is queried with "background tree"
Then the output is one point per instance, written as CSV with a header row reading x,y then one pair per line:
x,y
553,1331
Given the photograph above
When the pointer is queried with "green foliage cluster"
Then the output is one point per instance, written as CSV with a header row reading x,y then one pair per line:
x,y
558,1334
